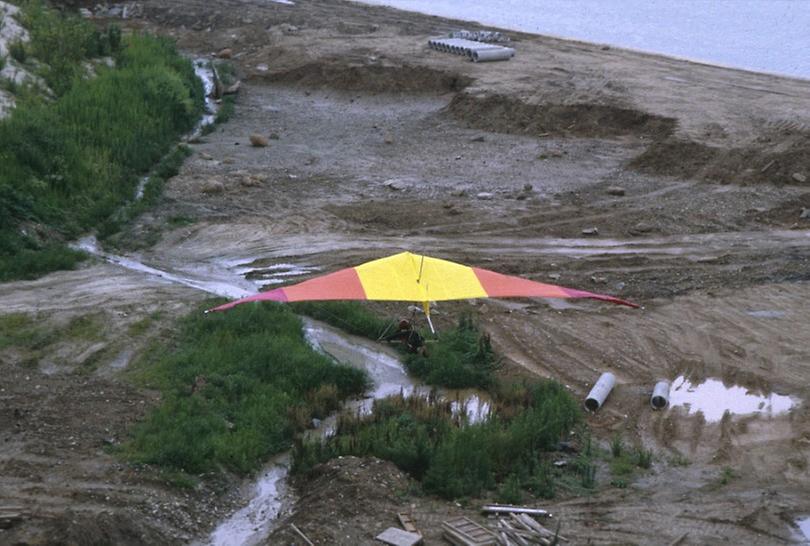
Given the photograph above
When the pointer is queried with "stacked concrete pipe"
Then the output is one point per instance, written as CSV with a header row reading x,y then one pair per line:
x,y
475,51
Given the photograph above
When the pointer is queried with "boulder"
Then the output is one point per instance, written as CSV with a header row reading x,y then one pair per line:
x,y
211,187
259,141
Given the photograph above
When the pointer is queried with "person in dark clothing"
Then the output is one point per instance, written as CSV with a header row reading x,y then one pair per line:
x,y
407,335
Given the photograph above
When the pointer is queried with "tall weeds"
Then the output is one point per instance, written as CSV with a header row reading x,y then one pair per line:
x,y
231,389
67,164
454,459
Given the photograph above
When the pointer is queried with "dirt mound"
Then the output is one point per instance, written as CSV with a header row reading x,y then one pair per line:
x,y
99,529
675,157
345,501
775,160
503,114
371,77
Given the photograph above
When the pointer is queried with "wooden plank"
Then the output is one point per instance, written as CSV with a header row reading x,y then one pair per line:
x,y
472,533
398,537
301,534
408,523
510,509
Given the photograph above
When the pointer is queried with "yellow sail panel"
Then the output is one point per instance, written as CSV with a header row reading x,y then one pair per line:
x,y
412,277
445,280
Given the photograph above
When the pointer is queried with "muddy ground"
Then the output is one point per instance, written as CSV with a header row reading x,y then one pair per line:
x,y
384,145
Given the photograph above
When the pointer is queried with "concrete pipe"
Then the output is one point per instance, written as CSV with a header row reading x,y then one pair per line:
x,y
600,391
488,55
481,47
660,395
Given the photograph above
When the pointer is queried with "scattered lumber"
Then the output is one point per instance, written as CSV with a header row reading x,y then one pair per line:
x,y
516,526
463,531
10,516
509,509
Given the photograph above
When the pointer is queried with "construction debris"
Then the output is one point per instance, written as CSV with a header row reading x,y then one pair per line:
x,y
474,51
515,526
398,537
509,509
301,534
465,532
10,516
408,523
489,36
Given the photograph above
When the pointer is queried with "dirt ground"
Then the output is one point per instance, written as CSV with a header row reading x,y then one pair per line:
x,y
384,145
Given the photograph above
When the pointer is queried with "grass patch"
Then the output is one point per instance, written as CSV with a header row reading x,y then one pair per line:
x,y
66,165
232,387
25,258
424,438
34,333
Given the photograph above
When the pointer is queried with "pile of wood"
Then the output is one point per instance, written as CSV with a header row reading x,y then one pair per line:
x,y
506,526
10,515
522,530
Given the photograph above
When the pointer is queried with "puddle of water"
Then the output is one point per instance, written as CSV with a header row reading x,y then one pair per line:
x,y
252,523
804,528
713,399
766,313
273,274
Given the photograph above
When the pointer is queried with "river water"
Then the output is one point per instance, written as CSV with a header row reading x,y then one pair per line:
x,y
760,35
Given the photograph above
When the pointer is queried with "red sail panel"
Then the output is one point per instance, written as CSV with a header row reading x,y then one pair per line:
x,y
340,285
497,285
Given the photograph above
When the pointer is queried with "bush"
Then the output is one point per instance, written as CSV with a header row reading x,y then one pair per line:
x,y
18,51
461,358
227,389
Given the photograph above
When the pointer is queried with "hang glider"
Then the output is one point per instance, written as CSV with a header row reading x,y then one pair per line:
x,y
415,278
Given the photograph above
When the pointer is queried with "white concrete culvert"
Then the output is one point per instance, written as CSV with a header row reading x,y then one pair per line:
x,y
475,51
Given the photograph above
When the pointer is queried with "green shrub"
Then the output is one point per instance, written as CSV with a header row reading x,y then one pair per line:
x,y
616,445
644,458
227,389
621,466
511,491
460,358
18,51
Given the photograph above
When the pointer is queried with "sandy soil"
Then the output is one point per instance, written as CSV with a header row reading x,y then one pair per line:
x,y
385,145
